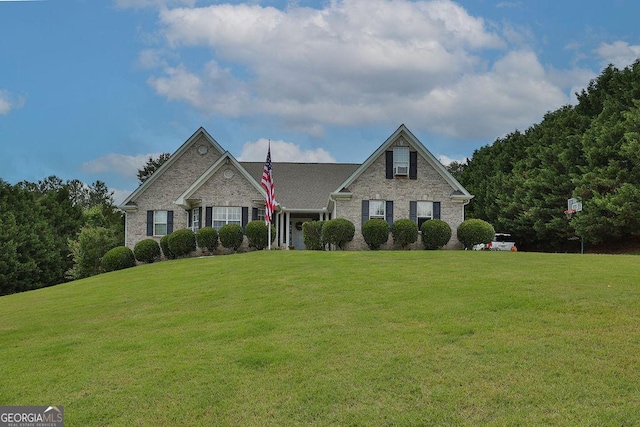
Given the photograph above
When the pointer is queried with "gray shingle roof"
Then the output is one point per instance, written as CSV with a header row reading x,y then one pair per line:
x,y
303,185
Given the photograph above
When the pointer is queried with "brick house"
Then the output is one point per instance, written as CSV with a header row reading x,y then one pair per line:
x,y
204,185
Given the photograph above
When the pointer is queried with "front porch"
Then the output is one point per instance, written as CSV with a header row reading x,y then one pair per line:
x,y
289,226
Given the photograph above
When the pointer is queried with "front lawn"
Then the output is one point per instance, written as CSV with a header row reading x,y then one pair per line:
x,y
334,338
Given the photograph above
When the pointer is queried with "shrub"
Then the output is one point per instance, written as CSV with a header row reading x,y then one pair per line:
x,y
118,258
88,250
147,250
405,232
435,233
475,231
375,232
231,236
258,234
182,242
312,235
207,238
338,231
164,245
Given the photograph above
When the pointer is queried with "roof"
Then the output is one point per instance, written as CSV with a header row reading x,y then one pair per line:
x,y
303,186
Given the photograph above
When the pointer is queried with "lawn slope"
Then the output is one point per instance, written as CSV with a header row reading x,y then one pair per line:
x,y
334,338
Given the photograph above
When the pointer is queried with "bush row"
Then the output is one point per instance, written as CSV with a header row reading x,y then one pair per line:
x,y
316,235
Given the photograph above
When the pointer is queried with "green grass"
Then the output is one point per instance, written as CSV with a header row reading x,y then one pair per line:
x,y
334,338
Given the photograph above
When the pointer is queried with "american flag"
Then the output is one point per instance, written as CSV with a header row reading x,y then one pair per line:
x,y
267,183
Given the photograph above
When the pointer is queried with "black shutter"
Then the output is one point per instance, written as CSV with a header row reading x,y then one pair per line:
x,y
200,217
436,210
389,165
245,217
254,214
208,219
149,223
390,213
169,222
365,212
413,211
190,220
413,165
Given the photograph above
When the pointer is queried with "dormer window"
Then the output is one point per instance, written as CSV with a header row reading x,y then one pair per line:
x,y
401,161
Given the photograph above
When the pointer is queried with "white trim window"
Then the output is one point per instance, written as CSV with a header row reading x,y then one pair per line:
x,y
377,209
424,212
195,219
261,212
223,215
159,223
401,160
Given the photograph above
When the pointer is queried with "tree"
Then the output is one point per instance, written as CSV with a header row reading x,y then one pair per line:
x,y
151,166
88,250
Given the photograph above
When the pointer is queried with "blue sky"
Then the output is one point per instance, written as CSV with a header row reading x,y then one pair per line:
x,y
89,89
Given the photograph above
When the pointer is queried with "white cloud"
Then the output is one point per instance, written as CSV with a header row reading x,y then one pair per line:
x,y
119,195
355,62
10,102
619,53
282,151
445,160
121,164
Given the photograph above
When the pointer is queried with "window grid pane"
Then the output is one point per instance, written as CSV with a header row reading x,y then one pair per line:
x,y
401,156
223,215
159,223
425,209
376,209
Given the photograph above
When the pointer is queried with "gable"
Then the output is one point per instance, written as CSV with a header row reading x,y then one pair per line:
x,y
184,166
225,173
423,161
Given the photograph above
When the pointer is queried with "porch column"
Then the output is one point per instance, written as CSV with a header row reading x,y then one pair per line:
x,y
277,228
286,228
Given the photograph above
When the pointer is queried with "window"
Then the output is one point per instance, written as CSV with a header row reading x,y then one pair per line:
x,y
159,223
195,219
400,160
376,209
424,212
223,215
260,214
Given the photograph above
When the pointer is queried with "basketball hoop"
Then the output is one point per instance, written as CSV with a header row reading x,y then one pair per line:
x,y
569,213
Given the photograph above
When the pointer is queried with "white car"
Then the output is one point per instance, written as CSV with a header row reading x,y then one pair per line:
x,y
500,242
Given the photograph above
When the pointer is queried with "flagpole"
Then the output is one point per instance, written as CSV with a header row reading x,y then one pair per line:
x,y
267,183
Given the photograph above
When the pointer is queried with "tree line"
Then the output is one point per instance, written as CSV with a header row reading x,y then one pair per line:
x,y
44,230
590,151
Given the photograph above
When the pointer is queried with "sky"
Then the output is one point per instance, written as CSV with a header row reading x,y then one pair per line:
x,y
90,89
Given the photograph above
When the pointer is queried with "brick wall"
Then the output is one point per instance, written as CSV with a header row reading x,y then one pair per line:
x,y
372,185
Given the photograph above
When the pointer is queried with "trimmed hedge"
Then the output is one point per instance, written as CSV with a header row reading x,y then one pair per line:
x,y
164,245
435,234
405,232
338,231
147,250
312,235
475,231
182,242
375,232
118,258
231,236
207,238
258,234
